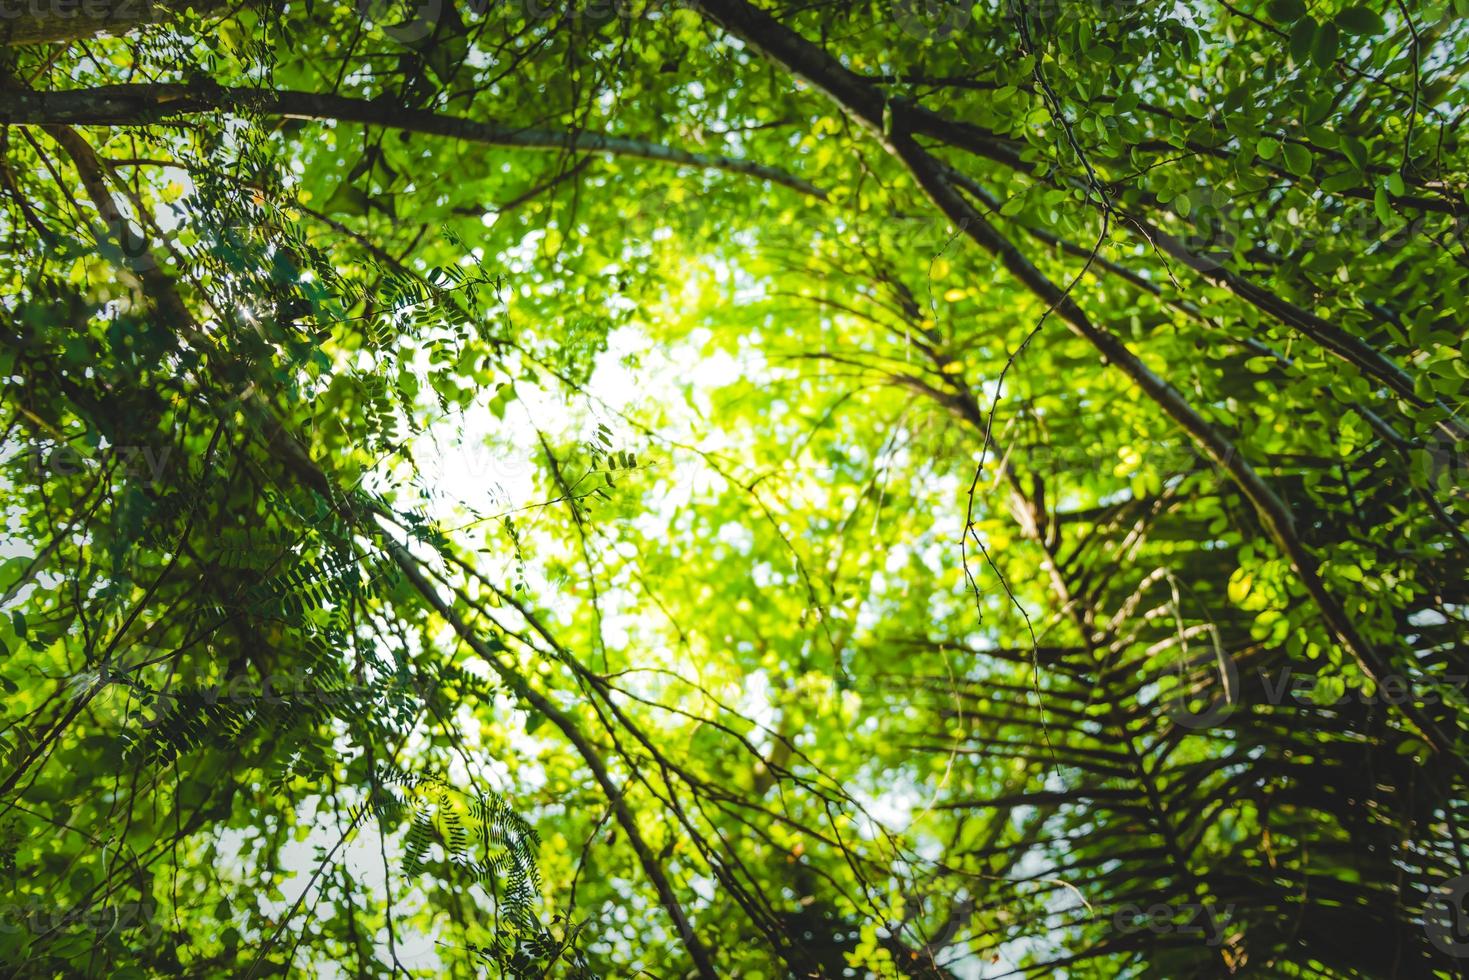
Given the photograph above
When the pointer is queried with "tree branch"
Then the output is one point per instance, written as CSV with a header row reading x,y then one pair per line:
x,y
869,108
139,104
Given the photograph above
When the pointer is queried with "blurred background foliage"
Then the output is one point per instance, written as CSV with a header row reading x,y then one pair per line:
x,y
642,488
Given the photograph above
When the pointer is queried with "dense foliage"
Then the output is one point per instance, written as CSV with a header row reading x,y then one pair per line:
x,y
734,489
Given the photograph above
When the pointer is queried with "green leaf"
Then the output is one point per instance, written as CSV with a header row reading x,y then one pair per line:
x,y
763,566
1360,20
11,570
1382,206
1324,47
1300,40
1297,159
1240,584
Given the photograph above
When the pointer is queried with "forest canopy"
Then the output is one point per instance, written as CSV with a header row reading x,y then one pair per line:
x,y
734,488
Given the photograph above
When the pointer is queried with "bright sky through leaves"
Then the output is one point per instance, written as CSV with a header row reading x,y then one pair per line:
x,y
734,488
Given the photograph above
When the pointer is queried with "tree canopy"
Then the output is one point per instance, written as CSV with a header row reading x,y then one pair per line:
x,y
734,488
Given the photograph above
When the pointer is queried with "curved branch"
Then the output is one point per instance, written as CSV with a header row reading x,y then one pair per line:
x,y
138,104
891,119
295,458
568,727
777,42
